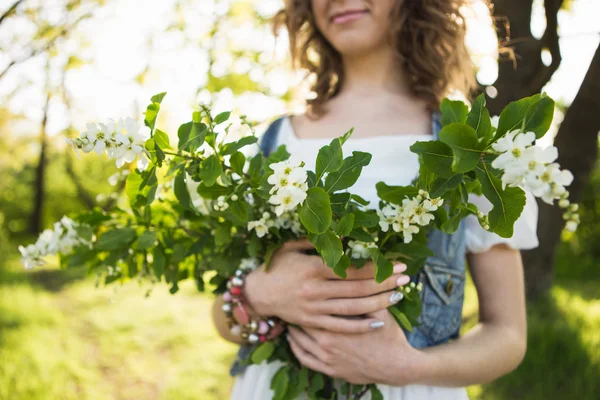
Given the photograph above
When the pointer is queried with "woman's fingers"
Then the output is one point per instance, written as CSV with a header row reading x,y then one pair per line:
x,y
361,288
305,358
345,325
362,305
365,272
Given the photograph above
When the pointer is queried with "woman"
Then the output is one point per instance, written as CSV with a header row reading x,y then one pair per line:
x,y
383,67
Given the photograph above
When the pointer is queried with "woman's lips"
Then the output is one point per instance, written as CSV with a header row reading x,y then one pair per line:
x,y
348,16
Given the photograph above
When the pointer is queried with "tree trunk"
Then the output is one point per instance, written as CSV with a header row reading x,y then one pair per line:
x,y
35,222
527,74
577,141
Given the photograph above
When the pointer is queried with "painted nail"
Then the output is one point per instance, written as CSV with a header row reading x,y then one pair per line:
x,y
403,280
377,324
399,268
396,297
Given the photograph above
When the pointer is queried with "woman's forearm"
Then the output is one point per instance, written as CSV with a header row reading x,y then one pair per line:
x,y
485,353
220,322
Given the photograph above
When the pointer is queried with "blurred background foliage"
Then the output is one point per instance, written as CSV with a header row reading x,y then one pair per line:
x,y
62,335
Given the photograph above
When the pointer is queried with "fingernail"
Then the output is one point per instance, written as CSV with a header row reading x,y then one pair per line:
x,y
399,268
403,280
396,297
377,324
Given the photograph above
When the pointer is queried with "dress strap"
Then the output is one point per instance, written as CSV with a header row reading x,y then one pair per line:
x,y
269,138
436,124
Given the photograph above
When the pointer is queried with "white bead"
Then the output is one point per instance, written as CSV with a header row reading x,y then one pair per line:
x,y
236,330
226,308
237,281
252,338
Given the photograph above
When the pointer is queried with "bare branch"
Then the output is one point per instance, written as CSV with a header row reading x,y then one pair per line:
x,y
46,46
10,10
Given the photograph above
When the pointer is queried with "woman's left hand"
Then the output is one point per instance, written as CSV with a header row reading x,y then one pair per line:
x,y
381,356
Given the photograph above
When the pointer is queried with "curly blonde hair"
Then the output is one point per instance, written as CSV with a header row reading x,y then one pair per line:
x,y
428,35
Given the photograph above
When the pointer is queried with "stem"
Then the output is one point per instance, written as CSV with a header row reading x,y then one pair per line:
x,y
385,239
179,155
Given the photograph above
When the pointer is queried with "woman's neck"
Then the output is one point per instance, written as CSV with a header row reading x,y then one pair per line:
x,y
373,73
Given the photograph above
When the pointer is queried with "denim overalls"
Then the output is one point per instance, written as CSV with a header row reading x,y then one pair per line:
x,y
443,276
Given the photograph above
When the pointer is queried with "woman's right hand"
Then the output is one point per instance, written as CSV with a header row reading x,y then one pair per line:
x,y
300,289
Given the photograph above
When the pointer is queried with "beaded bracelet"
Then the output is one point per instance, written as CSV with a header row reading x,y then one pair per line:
x,y
240,321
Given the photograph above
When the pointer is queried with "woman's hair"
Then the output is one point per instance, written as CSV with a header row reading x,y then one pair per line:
x,y
428,35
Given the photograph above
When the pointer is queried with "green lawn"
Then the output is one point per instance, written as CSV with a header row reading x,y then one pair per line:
x,y
61,338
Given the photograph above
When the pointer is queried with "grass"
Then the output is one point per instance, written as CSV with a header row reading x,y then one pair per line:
x,y
60,338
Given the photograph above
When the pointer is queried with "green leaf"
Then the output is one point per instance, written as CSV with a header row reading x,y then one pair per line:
x,y
339,201
453,112
346,136
513,115
348,174
368,218
191,136
451,224
223,234
395,194
342,265
222,117
181,190
375,392
383,267
436,156
401,318
315,212
133,185
279,383
344,227
237,162
151,114
162,139
329,159
441,185
538,116
412,254
158,98
232,147
159,260
210,170
212,192
329,246
239,210
263,352
146,240
508,203
465,146
116,239
360,200
479,119
360,234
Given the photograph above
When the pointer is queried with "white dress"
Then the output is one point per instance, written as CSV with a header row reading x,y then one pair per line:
x,y
394,164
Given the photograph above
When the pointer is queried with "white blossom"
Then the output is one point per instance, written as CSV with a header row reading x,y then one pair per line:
x,y
358,249
123,140
61,239
259,226
407,218
287,198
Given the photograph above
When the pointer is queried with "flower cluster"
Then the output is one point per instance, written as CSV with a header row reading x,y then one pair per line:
x,y
62,239
533,168
289,184
358,249
123,140
407,218
287,220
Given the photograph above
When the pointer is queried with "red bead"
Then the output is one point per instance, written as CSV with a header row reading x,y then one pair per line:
x,y
236,291
262,338
276,330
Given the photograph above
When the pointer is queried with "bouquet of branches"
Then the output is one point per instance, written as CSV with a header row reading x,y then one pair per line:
x,y
249,204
